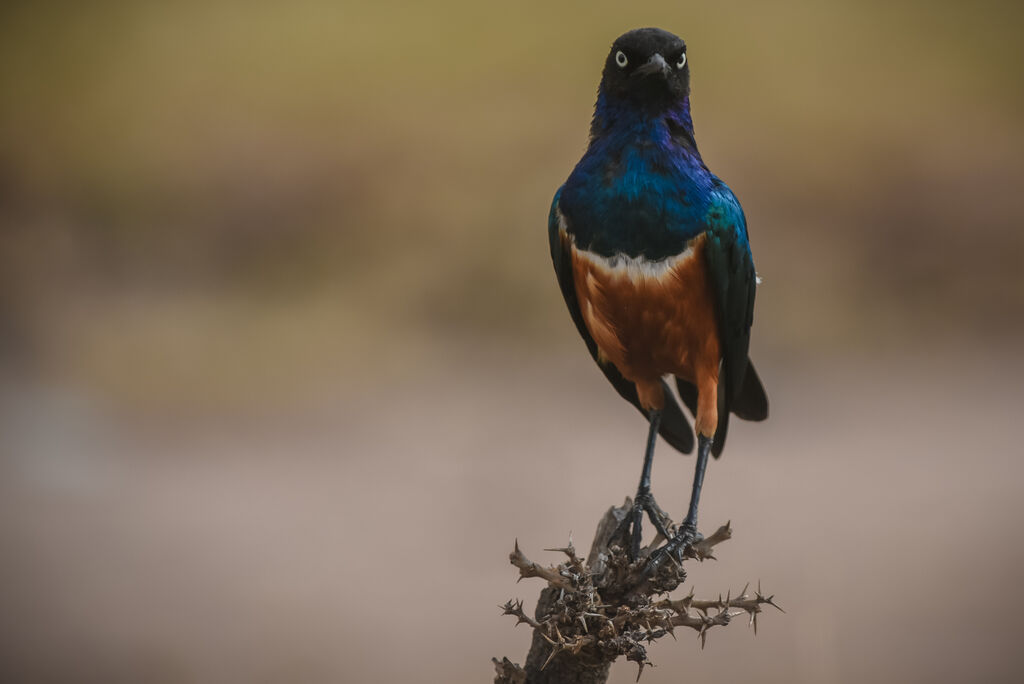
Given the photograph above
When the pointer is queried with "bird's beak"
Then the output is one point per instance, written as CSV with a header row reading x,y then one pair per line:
x,y
656,65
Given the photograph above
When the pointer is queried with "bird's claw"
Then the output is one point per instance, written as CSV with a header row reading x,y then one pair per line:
x,y
632,526
675,548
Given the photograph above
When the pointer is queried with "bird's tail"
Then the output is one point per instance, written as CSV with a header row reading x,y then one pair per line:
x,y
675,428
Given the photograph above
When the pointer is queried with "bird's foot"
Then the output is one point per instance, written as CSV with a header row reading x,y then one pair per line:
x,y
685,537
632,526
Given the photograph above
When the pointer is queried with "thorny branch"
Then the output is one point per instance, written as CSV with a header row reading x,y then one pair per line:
x,y
597,610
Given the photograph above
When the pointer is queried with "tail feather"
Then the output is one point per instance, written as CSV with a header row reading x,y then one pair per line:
x,y
688,393
723,429
675,428
752,402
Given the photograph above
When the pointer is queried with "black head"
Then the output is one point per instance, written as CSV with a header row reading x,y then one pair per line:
x,y
648,67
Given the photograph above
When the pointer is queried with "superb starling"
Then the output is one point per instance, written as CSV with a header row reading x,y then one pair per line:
x,y
654,262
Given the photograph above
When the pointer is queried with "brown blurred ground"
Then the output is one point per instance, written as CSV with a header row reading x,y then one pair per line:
x,y
277,321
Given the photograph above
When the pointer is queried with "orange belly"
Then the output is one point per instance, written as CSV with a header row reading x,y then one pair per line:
x,y
652,319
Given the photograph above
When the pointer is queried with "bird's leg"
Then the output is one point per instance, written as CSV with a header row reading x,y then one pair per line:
x,y
644,500
689,525
686,533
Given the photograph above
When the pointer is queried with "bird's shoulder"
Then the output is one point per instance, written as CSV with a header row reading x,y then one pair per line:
x,y
725,217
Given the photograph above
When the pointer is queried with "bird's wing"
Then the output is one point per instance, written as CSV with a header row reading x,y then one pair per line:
x,y
674,428
734,282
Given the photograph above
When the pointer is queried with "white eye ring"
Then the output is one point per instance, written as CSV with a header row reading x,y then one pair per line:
x,y
682,61
620,59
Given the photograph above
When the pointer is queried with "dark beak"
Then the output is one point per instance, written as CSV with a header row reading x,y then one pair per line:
x,y
656,65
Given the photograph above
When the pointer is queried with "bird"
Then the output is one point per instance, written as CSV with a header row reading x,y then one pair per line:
x,y
653,259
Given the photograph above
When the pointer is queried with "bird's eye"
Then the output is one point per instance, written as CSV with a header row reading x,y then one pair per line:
x,y
620,59
682,61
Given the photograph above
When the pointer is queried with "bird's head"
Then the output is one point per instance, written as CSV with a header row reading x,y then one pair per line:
x,y
647,68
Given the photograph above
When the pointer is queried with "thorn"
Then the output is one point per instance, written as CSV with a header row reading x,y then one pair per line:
x,y
744,592
554,652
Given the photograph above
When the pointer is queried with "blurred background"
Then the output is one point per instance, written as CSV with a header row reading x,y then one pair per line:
x,y
284,369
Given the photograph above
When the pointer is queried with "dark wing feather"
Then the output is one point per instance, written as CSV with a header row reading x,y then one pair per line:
x,y
731,268
674,428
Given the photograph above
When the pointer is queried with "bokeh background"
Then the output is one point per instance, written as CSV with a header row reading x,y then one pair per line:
x,y
284,369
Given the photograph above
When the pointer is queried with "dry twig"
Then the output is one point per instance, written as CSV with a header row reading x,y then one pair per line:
x,y
595,611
